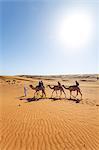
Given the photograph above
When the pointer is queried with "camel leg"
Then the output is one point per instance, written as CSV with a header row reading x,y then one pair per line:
x,y
52,93
70,94
60,94
35,93
64,93
80,94
43,93
76,94
73,95
56,93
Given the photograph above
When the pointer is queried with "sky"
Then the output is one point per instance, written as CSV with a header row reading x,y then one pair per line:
x,y
45,37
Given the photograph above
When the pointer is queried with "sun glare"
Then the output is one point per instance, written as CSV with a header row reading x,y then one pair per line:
x,y
76,30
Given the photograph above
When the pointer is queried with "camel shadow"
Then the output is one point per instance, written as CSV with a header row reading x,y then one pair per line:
x,y
31,99
21,97
70,99
54,99
75,100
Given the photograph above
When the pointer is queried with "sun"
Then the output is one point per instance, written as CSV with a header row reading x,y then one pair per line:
x,y
75,30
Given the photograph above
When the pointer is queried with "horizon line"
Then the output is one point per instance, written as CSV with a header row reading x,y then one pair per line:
x,y
51,74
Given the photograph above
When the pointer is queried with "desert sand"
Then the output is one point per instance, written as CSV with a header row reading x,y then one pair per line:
x,y
48,124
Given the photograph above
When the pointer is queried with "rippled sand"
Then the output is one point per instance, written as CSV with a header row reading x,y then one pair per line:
x,y
47,124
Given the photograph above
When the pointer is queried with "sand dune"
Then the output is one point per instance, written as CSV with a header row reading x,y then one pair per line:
x,y
47,124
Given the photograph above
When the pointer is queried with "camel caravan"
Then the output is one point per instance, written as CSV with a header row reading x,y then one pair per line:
x,y
56,88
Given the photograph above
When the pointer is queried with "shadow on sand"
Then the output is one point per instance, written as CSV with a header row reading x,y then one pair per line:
x,y
70,99
76,100
32,99
53,99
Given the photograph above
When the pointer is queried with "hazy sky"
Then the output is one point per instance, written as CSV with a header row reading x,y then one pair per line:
x,y
49,37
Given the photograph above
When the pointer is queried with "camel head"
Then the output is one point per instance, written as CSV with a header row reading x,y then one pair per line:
x,y
47,85
31,86
50,86
63,85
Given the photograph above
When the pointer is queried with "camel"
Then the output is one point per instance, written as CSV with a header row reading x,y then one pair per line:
x,y
56,88
37,89
73,88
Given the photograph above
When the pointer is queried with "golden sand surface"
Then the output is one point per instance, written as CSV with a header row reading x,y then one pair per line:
x,y
48,124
